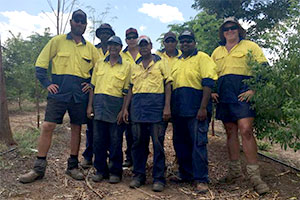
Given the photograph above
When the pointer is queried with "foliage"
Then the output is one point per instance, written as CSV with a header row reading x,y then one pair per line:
x,y
277,98
205,27
27,141
264,13
19,57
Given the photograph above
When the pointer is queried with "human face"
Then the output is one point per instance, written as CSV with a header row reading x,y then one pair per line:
x,y
104,35
145,48
231,31
187,45
114,48
131,40
170,44
78,25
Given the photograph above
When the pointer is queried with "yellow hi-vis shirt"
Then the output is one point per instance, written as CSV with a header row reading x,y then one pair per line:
x,y
148,88
71,66
111,80
127,56
190,75
235,61
151,79
171,60
100,51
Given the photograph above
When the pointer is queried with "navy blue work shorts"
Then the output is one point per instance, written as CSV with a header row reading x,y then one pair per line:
x,y
232,112
56,110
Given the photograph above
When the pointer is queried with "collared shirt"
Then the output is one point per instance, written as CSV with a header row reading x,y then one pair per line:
x,y
148,90
127,56
110,85
100,50
71,66
233,69
171,60
190,75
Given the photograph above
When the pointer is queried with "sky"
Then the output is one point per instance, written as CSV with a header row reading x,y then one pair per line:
x,y
150,18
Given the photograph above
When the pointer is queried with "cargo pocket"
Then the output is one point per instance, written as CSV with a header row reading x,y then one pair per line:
x,y
63,58
119,80
202,133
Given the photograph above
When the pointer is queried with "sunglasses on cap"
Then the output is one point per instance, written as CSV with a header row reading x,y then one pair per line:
x,y
77,20
131,37
230,28
186,41
170,41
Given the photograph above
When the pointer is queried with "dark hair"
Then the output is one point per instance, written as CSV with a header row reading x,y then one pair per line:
x,y
242,32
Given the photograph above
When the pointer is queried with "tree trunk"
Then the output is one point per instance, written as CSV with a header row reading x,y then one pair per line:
x,y
5,130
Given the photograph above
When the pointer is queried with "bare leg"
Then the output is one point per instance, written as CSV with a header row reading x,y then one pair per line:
x,y
233,144
75,138
45,138
248,140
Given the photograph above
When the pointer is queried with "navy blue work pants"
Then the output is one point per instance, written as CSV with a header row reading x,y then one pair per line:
x,y
108,137
140,149
190,140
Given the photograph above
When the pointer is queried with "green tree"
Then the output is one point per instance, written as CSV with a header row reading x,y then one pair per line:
x,y
18,61
264,13
205,27
277,98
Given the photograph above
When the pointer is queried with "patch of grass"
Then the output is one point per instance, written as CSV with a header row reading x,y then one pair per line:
x,y
263,146
27,141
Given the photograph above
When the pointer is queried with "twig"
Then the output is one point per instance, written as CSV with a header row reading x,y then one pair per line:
x,y
151,195
90,186
211,194
10,150
283,173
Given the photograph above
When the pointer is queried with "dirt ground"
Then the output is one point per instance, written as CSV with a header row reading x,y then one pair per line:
x,y
283,181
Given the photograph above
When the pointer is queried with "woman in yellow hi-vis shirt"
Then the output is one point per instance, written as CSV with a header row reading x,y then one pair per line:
x,y
233,97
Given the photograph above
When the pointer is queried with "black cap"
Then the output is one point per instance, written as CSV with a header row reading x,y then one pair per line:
x,y
169,34
79,13
102,27
114,39
186,33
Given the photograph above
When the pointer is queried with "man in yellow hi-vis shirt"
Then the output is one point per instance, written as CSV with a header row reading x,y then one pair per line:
x,y
170,52
193,77
72,59
131,54
150,107
111,81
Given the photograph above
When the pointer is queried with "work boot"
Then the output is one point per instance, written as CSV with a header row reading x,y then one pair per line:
x,y
127,163
85,164
113,179
254,175
202,187
158,187
234,172
36,173
73,170
75,173
136,183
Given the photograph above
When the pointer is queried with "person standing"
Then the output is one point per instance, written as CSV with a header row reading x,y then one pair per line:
x,y
149,94
170,52
193,77
131,54
233,98
111,81
72,59
104,32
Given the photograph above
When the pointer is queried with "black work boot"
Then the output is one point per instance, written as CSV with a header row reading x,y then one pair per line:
x,y
73,170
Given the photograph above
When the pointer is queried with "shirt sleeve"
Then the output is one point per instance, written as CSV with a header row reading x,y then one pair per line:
x,y
258,54
166,71
207,71
127,80
43,60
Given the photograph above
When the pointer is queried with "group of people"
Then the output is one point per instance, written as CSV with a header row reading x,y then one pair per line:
x,y
137,92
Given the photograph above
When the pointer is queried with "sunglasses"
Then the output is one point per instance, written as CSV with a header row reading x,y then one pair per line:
x,y
230,28
186,41
77,20
131,37
170,41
